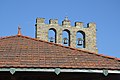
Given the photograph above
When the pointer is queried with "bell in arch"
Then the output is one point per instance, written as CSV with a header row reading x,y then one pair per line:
x,y
51,39
80,41
65,40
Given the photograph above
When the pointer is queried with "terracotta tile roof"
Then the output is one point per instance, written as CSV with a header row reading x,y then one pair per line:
x,y
22,51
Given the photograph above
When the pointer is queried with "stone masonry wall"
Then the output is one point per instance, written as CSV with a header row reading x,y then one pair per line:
x,y
90,32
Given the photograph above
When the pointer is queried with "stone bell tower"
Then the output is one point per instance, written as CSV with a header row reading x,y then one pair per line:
x,y
87,41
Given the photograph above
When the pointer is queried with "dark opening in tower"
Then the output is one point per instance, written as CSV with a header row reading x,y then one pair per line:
x,y
52,35
80,39
66,37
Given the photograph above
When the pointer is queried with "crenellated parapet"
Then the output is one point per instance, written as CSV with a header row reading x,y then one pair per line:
x,y
65,23
89,32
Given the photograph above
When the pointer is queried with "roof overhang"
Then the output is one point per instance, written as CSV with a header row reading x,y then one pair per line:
x,y
58,70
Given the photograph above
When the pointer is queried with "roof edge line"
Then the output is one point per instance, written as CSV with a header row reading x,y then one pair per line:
x,y
61,70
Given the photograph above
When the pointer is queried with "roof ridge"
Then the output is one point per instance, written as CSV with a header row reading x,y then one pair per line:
x,y
7,37
89,52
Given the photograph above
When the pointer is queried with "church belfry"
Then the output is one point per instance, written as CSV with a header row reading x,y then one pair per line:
x,y
76,36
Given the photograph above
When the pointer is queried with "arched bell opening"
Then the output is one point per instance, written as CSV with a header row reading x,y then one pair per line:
x,y
52,35
66,37
80,39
